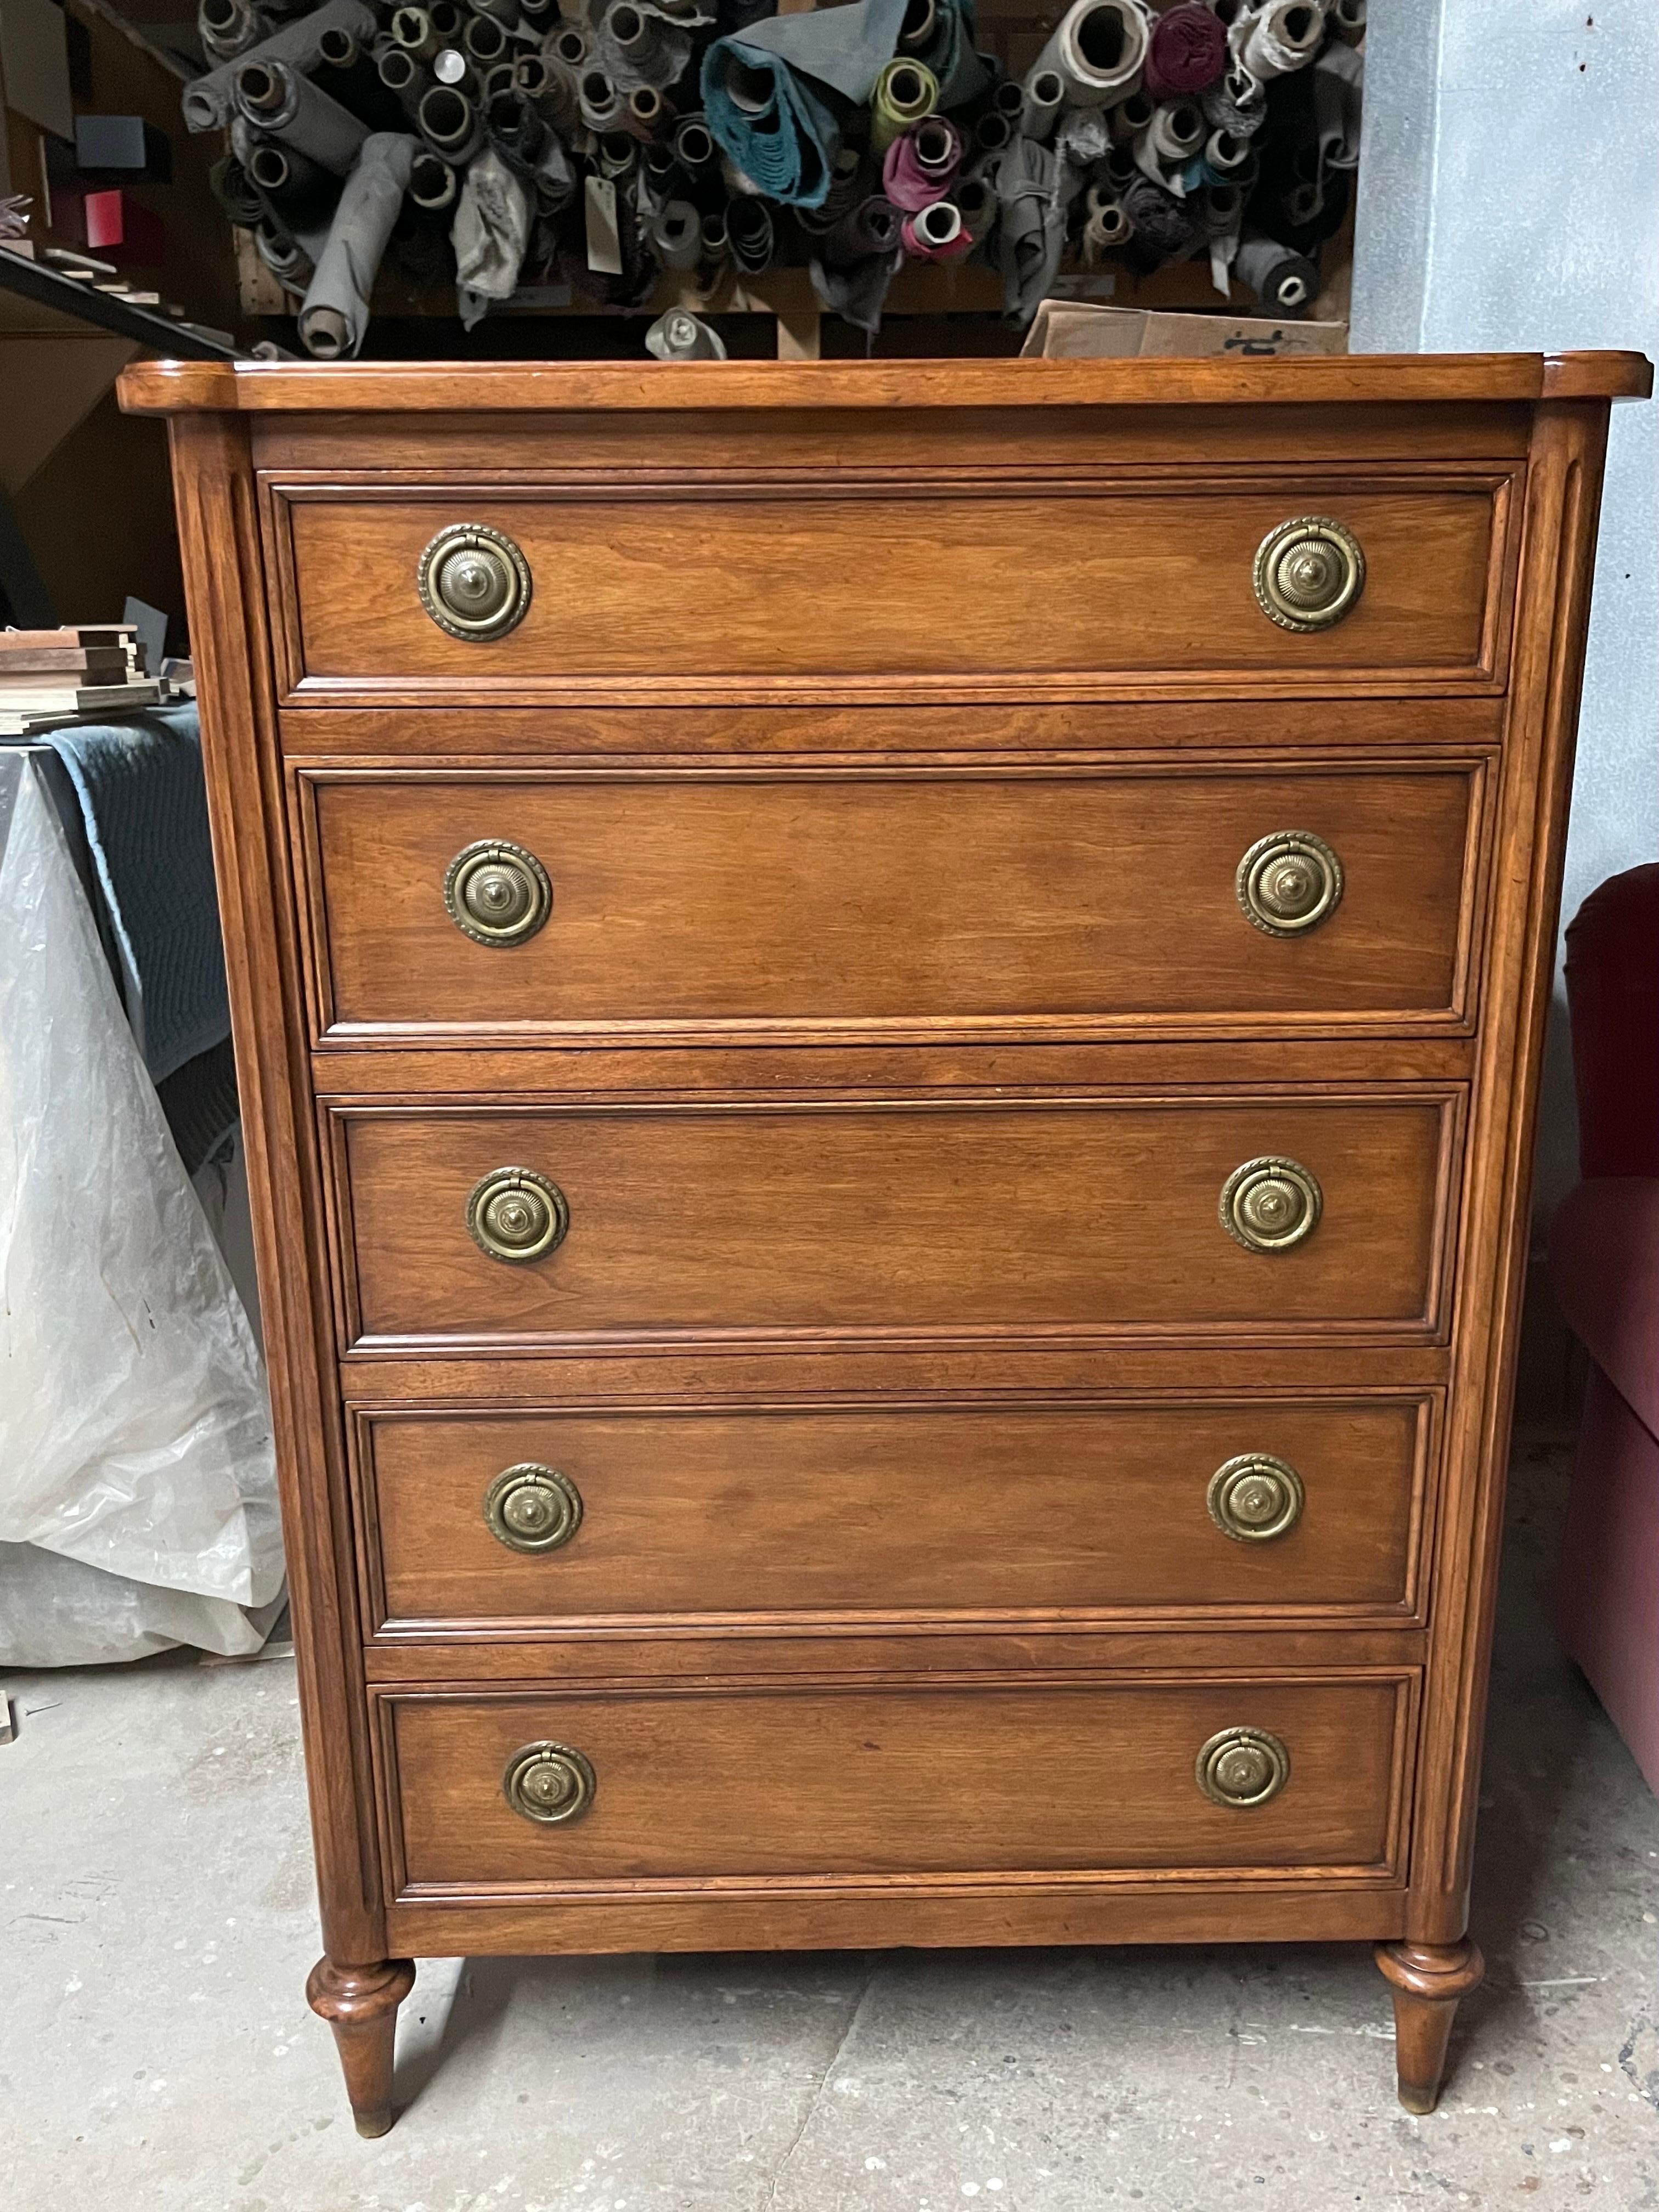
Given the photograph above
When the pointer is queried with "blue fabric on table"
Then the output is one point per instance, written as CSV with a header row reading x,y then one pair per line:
x,y
144,799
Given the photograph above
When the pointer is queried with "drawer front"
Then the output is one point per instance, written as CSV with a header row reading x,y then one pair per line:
x,y
934,1780
1239,1508
765,584
918,1217
810,899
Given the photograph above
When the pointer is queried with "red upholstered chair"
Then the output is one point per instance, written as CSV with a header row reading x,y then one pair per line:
x,y
1604,1261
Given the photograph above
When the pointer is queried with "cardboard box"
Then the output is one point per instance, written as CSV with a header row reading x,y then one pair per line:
x,y
1074,330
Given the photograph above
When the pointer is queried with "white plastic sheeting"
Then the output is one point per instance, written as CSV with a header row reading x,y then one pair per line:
x,y
135,1434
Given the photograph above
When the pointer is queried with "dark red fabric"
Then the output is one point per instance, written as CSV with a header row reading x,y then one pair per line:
x,y
1604,1270
1613,996
1189,51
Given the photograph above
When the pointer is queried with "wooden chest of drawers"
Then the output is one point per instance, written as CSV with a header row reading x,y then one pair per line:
x,y
888,1020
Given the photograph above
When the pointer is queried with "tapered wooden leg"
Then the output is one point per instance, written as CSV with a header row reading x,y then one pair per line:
x,y
360,2003
1427,1980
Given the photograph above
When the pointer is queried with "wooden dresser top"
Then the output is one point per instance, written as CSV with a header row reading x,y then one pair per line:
x,y
170,387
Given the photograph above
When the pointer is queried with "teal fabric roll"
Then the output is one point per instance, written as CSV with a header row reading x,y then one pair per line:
x,y
777,132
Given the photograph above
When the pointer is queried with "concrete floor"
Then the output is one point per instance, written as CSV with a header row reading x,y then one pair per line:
x,y
155,2050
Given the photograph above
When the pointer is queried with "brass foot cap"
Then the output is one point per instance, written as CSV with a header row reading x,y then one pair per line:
x,y
371,2124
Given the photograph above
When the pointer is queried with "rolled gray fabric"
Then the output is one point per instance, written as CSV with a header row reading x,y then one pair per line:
x,y
210,102
1339,81
506,12
450,124
1044,96
1027,180
753,237
556,175
335,315
1278,37
857,292
1235,102
1174,138
693,144
489,233
228,28
1131,116
414,31
603,107
1284,282
483,41
681,335
279,103
514,125
873,226
638,45
234,189
301,190
1099,50
406,79
676,235
433,183
286,259
1348,20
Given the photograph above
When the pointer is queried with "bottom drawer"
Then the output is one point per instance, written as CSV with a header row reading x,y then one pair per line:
x,y
661,1783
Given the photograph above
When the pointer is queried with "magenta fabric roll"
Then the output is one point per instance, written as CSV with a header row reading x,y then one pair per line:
x,y
1188,53
905,181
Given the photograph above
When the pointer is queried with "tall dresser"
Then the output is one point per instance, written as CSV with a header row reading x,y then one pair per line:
x,y
889,1019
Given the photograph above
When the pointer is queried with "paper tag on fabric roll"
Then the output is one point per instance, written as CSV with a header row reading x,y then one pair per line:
x,y
604,239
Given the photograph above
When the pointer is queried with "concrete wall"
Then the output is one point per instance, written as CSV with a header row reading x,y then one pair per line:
x,y
1509,197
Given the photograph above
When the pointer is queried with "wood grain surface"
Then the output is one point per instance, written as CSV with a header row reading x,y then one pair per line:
x,y
806,897
889,1509
930,1217
928,1780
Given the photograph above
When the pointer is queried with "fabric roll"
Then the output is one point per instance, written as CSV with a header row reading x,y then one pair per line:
x,y
483,41
279,102
1008,99
433,183
1083,137
618,154
676,234
210,100
1028,180
512,125
450,124
553,179
649,115
1225,154
1132,116
904,92
1187,51
1174,138
490,232
1106,227
1165,228
283,255
568,45
335,314
638,45
1100,50
234,189
1279,37
845,48
936,234
550,87
752,234
1045,94
1347,21
993,131
412,29
1284,281
301,190
346,72
403,76
447,19
681,335
1339,80
694,146
873,226
600,104
770,121
944,45
1220,209
976,203
1119,169
1237,102
715,243
228,27
921,163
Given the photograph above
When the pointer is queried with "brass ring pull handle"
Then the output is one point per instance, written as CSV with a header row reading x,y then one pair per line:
x,y
531,1508
1255,1497
1288,882
473,581
548,1783
1309,573
517,1215
498,893
1243,1766
1269,1205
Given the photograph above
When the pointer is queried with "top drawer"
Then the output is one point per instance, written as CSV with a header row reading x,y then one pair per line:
x,y
776,589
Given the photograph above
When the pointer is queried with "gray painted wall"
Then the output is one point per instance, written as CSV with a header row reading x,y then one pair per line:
x,y
1509,197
